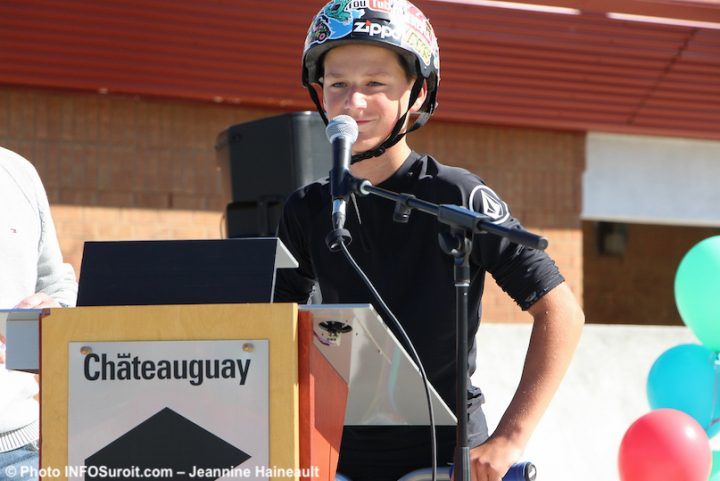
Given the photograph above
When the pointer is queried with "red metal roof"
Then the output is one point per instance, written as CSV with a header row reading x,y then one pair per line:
x,y
499,65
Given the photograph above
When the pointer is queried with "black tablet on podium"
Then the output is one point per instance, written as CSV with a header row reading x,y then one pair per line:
x,y
212,271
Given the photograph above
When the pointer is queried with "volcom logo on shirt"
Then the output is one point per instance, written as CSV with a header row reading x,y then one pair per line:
x,y
490,204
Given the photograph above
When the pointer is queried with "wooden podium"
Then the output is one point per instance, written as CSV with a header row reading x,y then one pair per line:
x,y
325,366
262,388
305,395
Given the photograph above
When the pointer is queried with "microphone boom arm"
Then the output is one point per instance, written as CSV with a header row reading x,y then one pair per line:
x,y
453,215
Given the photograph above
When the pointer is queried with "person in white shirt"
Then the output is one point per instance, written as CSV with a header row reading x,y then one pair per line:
x,y
32,275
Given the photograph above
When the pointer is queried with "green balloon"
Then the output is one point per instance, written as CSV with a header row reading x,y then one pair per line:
x,y
715,472
697,291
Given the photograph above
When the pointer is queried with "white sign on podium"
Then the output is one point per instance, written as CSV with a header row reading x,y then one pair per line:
x,y
211,393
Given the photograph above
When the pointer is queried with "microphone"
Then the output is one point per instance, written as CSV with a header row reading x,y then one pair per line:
x,y
342,132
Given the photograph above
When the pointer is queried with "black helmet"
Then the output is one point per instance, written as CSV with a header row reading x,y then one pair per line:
x,y
396,24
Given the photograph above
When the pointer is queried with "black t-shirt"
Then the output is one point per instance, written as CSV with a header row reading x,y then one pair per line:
x,y
415,278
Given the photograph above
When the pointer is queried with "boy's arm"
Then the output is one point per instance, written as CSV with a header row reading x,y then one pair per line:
x,y
557,324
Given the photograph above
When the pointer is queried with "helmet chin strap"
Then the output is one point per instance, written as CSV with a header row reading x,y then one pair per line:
x,y
318,105
395,135
392,139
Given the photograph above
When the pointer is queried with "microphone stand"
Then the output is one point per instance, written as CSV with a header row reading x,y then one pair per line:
x,y
457,243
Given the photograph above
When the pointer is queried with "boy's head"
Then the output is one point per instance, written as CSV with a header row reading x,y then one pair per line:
x,y
396,25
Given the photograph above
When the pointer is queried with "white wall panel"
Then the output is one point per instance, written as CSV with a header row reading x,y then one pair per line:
x,y
656,180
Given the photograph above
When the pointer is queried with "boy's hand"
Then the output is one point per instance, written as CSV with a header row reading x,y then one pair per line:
x,y
37,301
492,459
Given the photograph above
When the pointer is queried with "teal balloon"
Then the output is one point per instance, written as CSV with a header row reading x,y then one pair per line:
x,y
684,378
715,472
697,291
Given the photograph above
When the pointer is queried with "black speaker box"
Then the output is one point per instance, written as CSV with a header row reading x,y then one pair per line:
x,y
263,161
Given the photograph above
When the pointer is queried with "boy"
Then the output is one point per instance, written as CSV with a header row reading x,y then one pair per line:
x,y
378,62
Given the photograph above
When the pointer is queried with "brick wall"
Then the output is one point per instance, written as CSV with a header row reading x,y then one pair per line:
x,y
118,167
118,151
123,167
637,286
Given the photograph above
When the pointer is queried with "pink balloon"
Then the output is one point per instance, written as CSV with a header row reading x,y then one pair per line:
x,y
667,445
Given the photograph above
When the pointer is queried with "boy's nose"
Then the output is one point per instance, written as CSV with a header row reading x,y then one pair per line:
x,y
356,99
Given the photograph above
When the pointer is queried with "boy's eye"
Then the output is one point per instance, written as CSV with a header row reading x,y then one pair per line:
x,y
375,83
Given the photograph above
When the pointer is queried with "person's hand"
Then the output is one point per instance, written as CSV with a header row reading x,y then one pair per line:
x,y
37,301
492,459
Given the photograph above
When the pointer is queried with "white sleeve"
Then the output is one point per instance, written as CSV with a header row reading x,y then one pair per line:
x,y
55,278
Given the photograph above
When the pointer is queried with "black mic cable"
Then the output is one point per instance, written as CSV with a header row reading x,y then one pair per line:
x,y
409,346
342,132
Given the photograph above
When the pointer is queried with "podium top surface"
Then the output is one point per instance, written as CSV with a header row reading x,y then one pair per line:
x,y
384,384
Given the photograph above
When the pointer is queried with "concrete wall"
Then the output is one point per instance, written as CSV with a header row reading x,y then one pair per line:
x,y
602,395
665,180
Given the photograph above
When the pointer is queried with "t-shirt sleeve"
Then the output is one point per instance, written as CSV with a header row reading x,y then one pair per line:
x,y
294,285
524,273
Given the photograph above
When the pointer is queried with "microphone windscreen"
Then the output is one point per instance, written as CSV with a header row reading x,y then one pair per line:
x,y
344,126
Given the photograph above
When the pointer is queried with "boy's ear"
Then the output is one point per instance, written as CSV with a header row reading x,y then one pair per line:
x,y
421,98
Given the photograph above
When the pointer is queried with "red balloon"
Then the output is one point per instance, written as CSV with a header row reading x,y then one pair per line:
x,y
667,445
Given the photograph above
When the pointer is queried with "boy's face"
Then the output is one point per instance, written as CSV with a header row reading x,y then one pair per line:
x,y
369,84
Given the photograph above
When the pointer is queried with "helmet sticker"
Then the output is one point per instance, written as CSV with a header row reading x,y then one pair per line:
x,y
320,31
339,10
490,204
419,45
373,29
335,21
417,20
379,5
